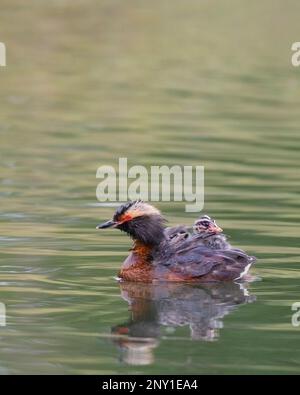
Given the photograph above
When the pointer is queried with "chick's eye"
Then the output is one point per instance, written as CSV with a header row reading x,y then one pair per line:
x,y
204,223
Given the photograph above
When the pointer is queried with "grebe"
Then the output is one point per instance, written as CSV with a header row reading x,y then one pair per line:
x,y
154,258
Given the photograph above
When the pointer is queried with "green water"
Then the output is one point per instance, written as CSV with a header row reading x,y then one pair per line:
x,y
163,82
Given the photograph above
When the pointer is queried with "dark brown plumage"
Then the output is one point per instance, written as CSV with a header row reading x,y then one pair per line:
x,y
177,234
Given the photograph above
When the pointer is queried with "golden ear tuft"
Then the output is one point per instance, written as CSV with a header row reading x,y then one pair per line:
x,y
142,208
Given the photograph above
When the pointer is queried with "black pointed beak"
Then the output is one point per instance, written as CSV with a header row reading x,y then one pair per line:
x,y
107,224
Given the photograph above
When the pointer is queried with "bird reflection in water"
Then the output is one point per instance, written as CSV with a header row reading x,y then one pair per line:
x,y
156,310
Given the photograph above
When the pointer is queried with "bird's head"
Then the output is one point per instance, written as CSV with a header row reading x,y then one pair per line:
x,y
140,220
206,225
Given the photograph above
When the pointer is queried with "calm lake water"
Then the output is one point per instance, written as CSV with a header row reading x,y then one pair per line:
x,y
163,82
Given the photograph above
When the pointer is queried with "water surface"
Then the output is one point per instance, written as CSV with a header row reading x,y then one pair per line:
x,y
193,83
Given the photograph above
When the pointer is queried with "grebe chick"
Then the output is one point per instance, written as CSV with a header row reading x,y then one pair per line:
x,y
210,233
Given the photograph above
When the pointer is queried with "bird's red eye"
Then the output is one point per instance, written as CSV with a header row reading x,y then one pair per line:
x,y
125,218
